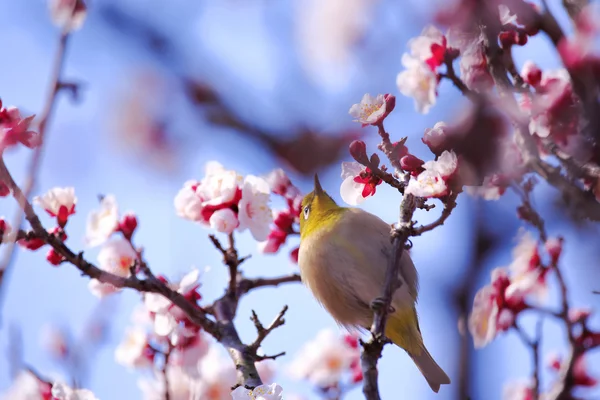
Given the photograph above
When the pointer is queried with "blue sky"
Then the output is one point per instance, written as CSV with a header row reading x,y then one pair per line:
x,y
246,50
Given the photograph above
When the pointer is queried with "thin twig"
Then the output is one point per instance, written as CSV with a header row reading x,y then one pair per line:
x,y
263,332
246,284
381,306
449,205
36,158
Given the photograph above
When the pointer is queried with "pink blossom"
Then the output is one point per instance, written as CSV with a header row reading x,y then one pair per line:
x,y
134,351
527,274
59,203
324,360
488,190
412,164
427,184
102,223
435,138
281,184
419,82
190,351
116,257
372,110
473,65
15,129
429,47
358,183
432,181
69,15
26,386
254,211
224,220
494,309
166,316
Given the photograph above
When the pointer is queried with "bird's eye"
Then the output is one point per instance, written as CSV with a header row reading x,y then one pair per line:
x,y
306,212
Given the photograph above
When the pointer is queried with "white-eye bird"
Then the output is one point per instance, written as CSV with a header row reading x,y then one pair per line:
x,y
343,260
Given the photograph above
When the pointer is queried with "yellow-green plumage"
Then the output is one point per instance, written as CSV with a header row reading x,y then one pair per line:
x,y
343,259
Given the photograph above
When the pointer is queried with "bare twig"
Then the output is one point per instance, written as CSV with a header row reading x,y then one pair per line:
x,y
264,332
36,158
246,284
534,345
449,205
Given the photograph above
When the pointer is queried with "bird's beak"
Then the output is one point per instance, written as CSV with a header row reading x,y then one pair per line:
x,y
318,188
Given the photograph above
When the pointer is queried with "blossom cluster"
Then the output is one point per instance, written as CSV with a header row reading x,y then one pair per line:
x,y
329,362
497,305
522,286
28,386
225,201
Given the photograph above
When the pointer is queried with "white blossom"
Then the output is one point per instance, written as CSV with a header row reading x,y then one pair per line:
x,y
102,223
131,352
419,82
370,109
60,391
254,211
263,392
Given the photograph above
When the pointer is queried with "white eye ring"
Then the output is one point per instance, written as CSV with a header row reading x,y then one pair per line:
x,y
306,212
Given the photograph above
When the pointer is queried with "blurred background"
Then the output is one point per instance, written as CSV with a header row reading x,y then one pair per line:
x,y
255,84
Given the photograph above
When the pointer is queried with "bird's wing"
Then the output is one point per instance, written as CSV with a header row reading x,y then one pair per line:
x,y
370,237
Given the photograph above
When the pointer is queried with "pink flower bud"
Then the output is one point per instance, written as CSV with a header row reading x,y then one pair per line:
x,y
390,103
508,38
54,258
128,225
400,150
412,164
531,74
4,189
554,248
358,151
435,138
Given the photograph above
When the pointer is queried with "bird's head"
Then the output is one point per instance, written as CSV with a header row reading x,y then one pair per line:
x,y
317,209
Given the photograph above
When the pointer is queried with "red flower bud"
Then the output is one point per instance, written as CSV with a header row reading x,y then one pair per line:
x,y
4,190
54,258
31,244
358,151
294,255
412,164
128,225
554,248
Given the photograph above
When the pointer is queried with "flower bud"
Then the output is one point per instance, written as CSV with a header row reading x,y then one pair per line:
x,y
531,73
4,227
54,258
294,255
128,225
31,244
412,164
358,151
554,248
435,138
4,190
284,220
390,103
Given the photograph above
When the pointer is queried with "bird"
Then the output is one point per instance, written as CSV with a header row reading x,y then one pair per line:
x,y
343,258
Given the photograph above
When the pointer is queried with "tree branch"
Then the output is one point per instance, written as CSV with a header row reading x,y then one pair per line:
x,y
36,158
264,332
381,306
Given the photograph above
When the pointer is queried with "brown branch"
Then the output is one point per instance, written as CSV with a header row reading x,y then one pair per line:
x,y
36,158
381,306
449,205
264,332
452,77
166,356
245,285
231,259
195,314
534,346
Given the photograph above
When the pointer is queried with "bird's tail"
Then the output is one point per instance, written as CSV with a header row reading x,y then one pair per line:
x,y
402,328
